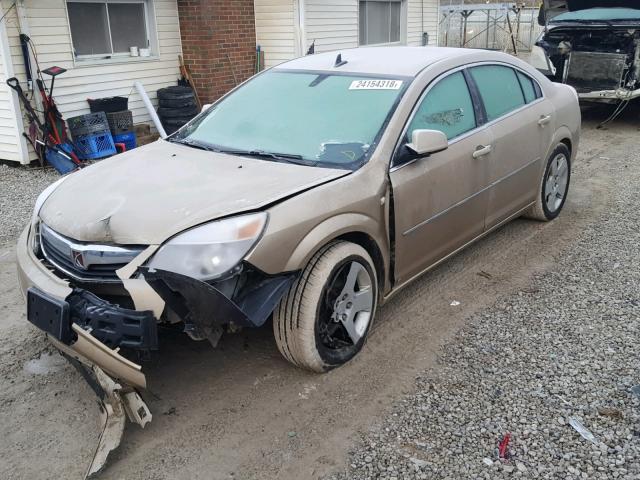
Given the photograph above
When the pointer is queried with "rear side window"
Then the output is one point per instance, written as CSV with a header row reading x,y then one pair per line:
x,y
499,89
447,107
528,88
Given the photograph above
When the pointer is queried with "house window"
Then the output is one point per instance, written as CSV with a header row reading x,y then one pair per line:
x,y
379,21
102,28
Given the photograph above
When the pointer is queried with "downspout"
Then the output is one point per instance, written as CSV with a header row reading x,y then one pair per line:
x,y
437,39
300,30
424,38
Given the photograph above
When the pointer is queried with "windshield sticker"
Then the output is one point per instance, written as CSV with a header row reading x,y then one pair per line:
x,y
375,85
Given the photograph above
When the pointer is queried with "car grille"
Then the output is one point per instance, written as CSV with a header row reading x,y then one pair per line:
x,y
84,261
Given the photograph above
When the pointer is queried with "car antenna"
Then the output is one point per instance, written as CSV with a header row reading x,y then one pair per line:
x,y
339,61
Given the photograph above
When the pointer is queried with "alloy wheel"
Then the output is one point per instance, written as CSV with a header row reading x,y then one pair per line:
x,y
346,311
556,183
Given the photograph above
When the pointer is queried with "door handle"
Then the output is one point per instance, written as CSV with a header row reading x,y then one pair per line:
x,y
481,150
544,119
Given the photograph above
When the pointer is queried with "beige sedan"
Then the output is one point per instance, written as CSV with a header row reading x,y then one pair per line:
x,y
309,195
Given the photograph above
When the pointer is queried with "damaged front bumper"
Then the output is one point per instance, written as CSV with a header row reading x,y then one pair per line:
x,y
96,329
90,331
32,273
613,95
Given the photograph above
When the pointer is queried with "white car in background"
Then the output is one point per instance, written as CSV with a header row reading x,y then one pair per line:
x,y
592,45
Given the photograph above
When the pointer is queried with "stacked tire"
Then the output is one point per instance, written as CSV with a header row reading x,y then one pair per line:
x,y
177,106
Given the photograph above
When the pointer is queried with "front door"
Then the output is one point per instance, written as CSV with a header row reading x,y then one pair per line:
x,y
440,200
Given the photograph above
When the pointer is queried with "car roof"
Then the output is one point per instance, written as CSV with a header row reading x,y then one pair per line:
x,y
397,60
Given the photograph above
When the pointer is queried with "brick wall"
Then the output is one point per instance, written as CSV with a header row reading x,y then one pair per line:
x,y
218,41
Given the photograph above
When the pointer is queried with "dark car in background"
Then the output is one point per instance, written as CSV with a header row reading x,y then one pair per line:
x,y
592,45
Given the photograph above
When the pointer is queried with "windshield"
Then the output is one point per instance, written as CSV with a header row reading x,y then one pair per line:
x,y
318,118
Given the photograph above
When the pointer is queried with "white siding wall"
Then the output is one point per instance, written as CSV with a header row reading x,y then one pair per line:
x,y
12,145
276,30
49,30
333,24
418,22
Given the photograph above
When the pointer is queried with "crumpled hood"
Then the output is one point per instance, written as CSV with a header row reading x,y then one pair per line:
x,y
153,192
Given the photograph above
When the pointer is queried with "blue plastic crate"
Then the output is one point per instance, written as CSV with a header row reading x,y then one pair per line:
x,y
91,147
129,139
60,162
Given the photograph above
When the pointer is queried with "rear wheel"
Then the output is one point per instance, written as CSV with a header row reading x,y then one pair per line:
x,y
554,186
324,319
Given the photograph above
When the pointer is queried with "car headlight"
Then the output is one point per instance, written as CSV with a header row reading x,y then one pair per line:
x,y
209,251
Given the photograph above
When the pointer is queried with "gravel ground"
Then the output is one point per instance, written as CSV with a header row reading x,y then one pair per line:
x,y
19,188
564,349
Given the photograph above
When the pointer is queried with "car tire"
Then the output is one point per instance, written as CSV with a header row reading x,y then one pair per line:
x,y
553,187
170,102
165,112
173,124
175,92
305,323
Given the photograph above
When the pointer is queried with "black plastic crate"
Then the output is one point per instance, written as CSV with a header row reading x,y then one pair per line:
x,y
120,122
108,104
88,124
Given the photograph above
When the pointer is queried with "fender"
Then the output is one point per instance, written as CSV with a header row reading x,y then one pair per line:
x,y
333,228
560,134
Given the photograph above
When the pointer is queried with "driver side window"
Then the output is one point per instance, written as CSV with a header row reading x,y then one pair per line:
x,y
447,107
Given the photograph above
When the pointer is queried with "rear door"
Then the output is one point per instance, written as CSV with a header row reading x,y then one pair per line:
x,y
440,200
519,120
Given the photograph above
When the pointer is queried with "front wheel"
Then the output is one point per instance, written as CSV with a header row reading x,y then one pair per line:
x,y
554,186
325,317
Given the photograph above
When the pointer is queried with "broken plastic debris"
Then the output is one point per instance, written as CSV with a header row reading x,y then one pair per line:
x,y
582,430
636,390
455,303
503,446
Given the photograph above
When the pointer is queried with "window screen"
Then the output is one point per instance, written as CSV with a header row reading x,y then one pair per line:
x,y
447,107
128,28
379,21
89,28
499,89
527,87
105,28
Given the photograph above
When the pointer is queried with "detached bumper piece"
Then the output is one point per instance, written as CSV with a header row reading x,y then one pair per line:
x,y
113,326
116,404
245,300
110,324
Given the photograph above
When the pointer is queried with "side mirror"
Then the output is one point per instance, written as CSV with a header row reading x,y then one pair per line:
x,y
205,107
424,142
